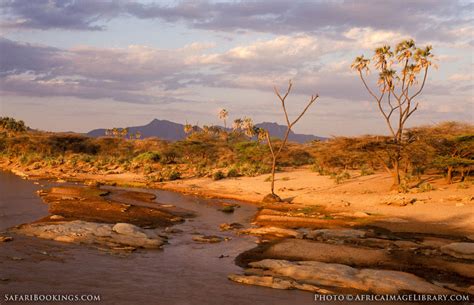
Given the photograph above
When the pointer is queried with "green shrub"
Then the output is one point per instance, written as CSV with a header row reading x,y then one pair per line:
x,y
366,170
233,172
340,177
174,175
218,175
426,187
149,156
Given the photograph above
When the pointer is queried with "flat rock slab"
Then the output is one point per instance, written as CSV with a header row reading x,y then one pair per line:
x,y
274,231
92,205
78,231
336,233
459,250
318,274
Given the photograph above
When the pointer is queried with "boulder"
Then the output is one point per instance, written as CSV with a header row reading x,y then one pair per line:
x,y
336,233
459,250
318,274
78,231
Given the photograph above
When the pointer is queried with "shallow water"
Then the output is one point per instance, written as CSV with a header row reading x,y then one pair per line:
x,y
184,272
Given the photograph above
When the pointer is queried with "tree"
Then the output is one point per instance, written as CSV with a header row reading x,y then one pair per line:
x,y
398,73
223,114
263,134
187,128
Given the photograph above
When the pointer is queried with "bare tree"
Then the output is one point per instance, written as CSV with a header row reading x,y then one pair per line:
x,y
395,101
275,150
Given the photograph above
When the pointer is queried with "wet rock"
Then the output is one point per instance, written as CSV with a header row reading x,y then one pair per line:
x,y
230,226
275,282
459,250
5,239
341,276
128,229
227,209
172,230
121,234
274,231
336,233
208,239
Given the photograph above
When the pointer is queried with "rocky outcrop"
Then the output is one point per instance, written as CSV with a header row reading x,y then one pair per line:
x,y
83,232
312,275
459,250
93,205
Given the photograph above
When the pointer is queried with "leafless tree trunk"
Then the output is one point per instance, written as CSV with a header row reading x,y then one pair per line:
x,y
276,152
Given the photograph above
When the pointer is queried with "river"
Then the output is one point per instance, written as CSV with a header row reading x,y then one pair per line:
x,y
184,272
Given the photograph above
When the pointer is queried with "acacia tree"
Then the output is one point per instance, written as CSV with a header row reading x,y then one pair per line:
x,y
399,73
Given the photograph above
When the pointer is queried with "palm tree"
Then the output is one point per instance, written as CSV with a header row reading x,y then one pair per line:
x,y
188,128
391,102
223,114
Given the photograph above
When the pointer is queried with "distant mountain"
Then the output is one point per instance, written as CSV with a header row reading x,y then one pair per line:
x,y
171,131
162,129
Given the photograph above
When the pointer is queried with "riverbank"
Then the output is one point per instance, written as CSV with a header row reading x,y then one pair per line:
x,y
332,225
441,208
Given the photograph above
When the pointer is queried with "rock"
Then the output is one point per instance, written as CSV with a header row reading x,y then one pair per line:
x,y
360,214
342,276
227,209
231,226
128,229
172,230
336,233
304,249
459,250
207,239
56,217
121,234
5,239
406,244
275,282
271,198
65,239
398,200
459,204
275,231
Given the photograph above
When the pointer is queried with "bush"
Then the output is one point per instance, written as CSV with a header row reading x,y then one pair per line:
x,y
149,156
341,177
218,175
233,172
366,170
426,187
174,175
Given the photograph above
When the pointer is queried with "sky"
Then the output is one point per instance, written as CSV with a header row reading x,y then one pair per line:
x,y
70,65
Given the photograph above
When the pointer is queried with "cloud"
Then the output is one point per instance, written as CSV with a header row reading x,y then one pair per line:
x,y
137,74
430,19
17,58
88,15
